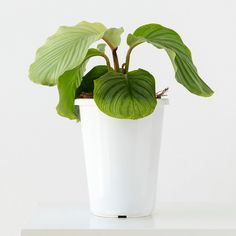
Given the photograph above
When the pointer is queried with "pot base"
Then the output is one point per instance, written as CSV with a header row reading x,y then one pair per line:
x,y
120,216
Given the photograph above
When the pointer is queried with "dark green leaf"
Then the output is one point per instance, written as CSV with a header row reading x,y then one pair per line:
x,y
164,38
129,96
87,84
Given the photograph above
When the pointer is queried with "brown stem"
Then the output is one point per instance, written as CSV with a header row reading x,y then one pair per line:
x,y
123,68
162,93
115,60
114,55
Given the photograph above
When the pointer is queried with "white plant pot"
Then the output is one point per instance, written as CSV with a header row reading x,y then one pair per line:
x,y
121,159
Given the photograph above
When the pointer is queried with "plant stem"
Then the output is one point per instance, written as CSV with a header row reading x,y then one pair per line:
x,y
123,68
127,60
107,61
114,55
115,60
162,93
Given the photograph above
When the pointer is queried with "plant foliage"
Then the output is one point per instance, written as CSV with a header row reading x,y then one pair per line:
x,y
118,92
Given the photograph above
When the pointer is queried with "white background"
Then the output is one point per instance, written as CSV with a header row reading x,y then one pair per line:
x,y
41,156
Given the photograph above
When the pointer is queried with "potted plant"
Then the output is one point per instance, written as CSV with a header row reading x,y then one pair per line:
x,y
121,114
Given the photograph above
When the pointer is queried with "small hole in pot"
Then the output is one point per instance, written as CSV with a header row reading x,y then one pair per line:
x,y
121,216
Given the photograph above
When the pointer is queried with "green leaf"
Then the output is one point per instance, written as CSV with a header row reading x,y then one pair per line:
x,y
133,41
126,96
112,36
67,85
64,51
87,84
164,38
101,47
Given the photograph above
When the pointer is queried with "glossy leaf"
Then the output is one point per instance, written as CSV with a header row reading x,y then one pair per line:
x,y
164,38
87,84
129,96
67,85
64,51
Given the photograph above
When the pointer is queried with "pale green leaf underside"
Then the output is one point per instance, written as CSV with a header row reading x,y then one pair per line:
x,y
67,85
101,47
64,51
129,96
112,36
164,38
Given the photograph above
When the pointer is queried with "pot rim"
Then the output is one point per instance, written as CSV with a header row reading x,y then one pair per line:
x,y
91,102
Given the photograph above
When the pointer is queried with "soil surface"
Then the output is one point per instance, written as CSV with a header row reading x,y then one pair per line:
x,y
159,94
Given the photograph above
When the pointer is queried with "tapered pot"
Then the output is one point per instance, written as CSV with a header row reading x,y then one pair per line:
x,y
121,159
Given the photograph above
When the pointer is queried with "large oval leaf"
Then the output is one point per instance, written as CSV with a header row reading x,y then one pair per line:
x,y
68,84
129,96
185,71
64,51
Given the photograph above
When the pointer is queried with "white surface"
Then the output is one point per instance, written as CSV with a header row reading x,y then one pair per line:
x,y
175,218
121,164
41,156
